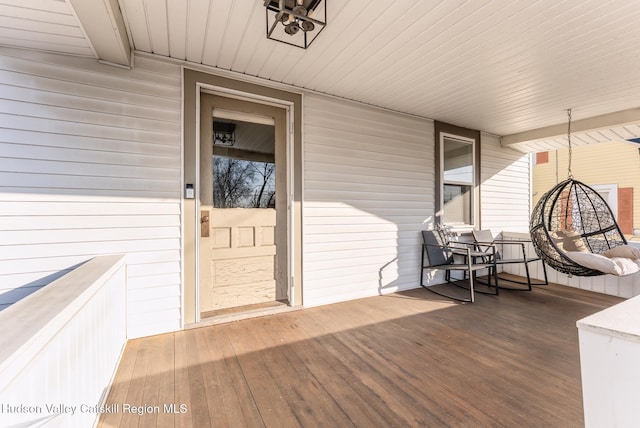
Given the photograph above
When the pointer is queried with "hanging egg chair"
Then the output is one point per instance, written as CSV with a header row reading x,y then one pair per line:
x,y
573,217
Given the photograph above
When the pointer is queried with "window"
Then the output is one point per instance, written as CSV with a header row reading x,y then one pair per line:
x,y
457,177
542,157
244,168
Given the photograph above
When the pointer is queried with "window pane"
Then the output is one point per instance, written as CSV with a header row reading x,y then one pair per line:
x,y
243,184
458,161
457,204
243,164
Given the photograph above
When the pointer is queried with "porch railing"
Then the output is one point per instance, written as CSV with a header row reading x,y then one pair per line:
x,y
60,347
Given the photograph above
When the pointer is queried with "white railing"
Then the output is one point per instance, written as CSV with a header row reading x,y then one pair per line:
x,y
60,347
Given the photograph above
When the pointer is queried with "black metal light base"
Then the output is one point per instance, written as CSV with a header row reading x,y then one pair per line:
x,y
295,22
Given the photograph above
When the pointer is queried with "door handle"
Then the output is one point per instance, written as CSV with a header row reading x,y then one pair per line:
x,y
204,224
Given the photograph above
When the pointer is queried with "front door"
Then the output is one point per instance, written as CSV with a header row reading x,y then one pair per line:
x,y
243,205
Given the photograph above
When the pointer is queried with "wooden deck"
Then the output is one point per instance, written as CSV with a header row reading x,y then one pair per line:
x,y
406,359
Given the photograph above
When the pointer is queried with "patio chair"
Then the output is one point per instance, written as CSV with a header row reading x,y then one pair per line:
x,y
442,256
485,242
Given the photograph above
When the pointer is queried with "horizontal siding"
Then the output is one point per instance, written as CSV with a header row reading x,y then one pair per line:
x,y
90,164
504,188
603,163
368,191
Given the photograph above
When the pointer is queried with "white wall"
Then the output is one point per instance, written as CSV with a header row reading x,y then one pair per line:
x,y
368,191
90,163
505,195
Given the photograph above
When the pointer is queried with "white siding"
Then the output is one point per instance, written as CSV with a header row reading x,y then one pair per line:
x,y
504,188
90,164
368,191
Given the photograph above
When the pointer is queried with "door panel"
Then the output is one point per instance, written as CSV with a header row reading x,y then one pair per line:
x,y
243,258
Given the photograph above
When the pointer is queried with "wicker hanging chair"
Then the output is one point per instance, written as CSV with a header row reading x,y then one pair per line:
x,y
573,213
573,209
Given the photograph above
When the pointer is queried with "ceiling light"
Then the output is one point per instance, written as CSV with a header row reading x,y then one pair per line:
x,y
307,26
224,134
291,28
285,19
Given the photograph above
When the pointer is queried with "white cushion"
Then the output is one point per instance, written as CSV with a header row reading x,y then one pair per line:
x,y
615,266
624,251
627,266
595,261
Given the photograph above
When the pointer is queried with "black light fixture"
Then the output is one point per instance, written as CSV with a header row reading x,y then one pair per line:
x,y
224,134
295,22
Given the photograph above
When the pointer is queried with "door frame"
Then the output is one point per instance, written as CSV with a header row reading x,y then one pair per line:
x,y
195,83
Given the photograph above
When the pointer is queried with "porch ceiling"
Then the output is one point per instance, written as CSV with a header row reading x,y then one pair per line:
x,y
500,66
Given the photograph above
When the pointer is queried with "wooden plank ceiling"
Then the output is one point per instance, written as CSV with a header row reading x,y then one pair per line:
x,y
47,25
501,66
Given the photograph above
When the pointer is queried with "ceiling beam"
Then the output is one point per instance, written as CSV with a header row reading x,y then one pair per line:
x,y
620,118
103,24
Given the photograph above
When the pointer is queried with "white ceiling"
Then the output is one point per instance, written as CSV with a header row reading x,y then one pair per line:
x,y
501,66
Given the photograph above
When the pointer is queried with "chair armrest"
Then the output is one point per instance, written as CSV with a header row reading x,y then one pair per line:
x,y
442,247
519,243
461,245
468,249
512,241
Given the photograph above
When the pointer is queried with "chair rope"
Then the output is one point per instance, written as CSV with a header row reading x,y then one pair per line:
x,y
569,173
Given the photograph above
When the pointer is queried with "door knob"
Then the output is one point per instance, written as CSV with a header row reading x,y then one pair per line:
x,y
204,224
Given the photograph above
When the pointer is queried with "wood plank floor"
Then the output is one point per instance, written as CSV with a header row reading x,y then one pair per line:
x,y
405,359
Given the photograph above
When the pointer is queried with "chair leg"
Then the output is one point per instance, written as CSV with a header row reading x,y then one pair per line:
x,y
422,268
495,277
472,274
526,269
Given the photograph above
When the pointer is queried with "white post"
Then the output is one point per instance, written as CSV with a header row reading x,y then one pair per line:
x,y
610,365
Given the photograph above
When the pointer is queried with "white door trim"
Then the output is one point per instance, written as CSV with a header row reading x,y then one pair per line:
x,y
611,191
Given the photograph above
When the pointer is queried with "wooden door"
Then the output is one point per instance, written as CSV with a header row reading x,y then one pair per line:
x,y
243,242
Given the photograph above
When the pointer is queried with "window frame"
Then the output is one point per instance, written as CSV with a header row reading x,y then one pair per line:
x,y
443,130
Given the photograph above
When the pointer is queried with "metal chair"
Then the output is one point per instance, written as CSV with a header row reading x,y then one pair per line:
x,y
442,256
486,243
